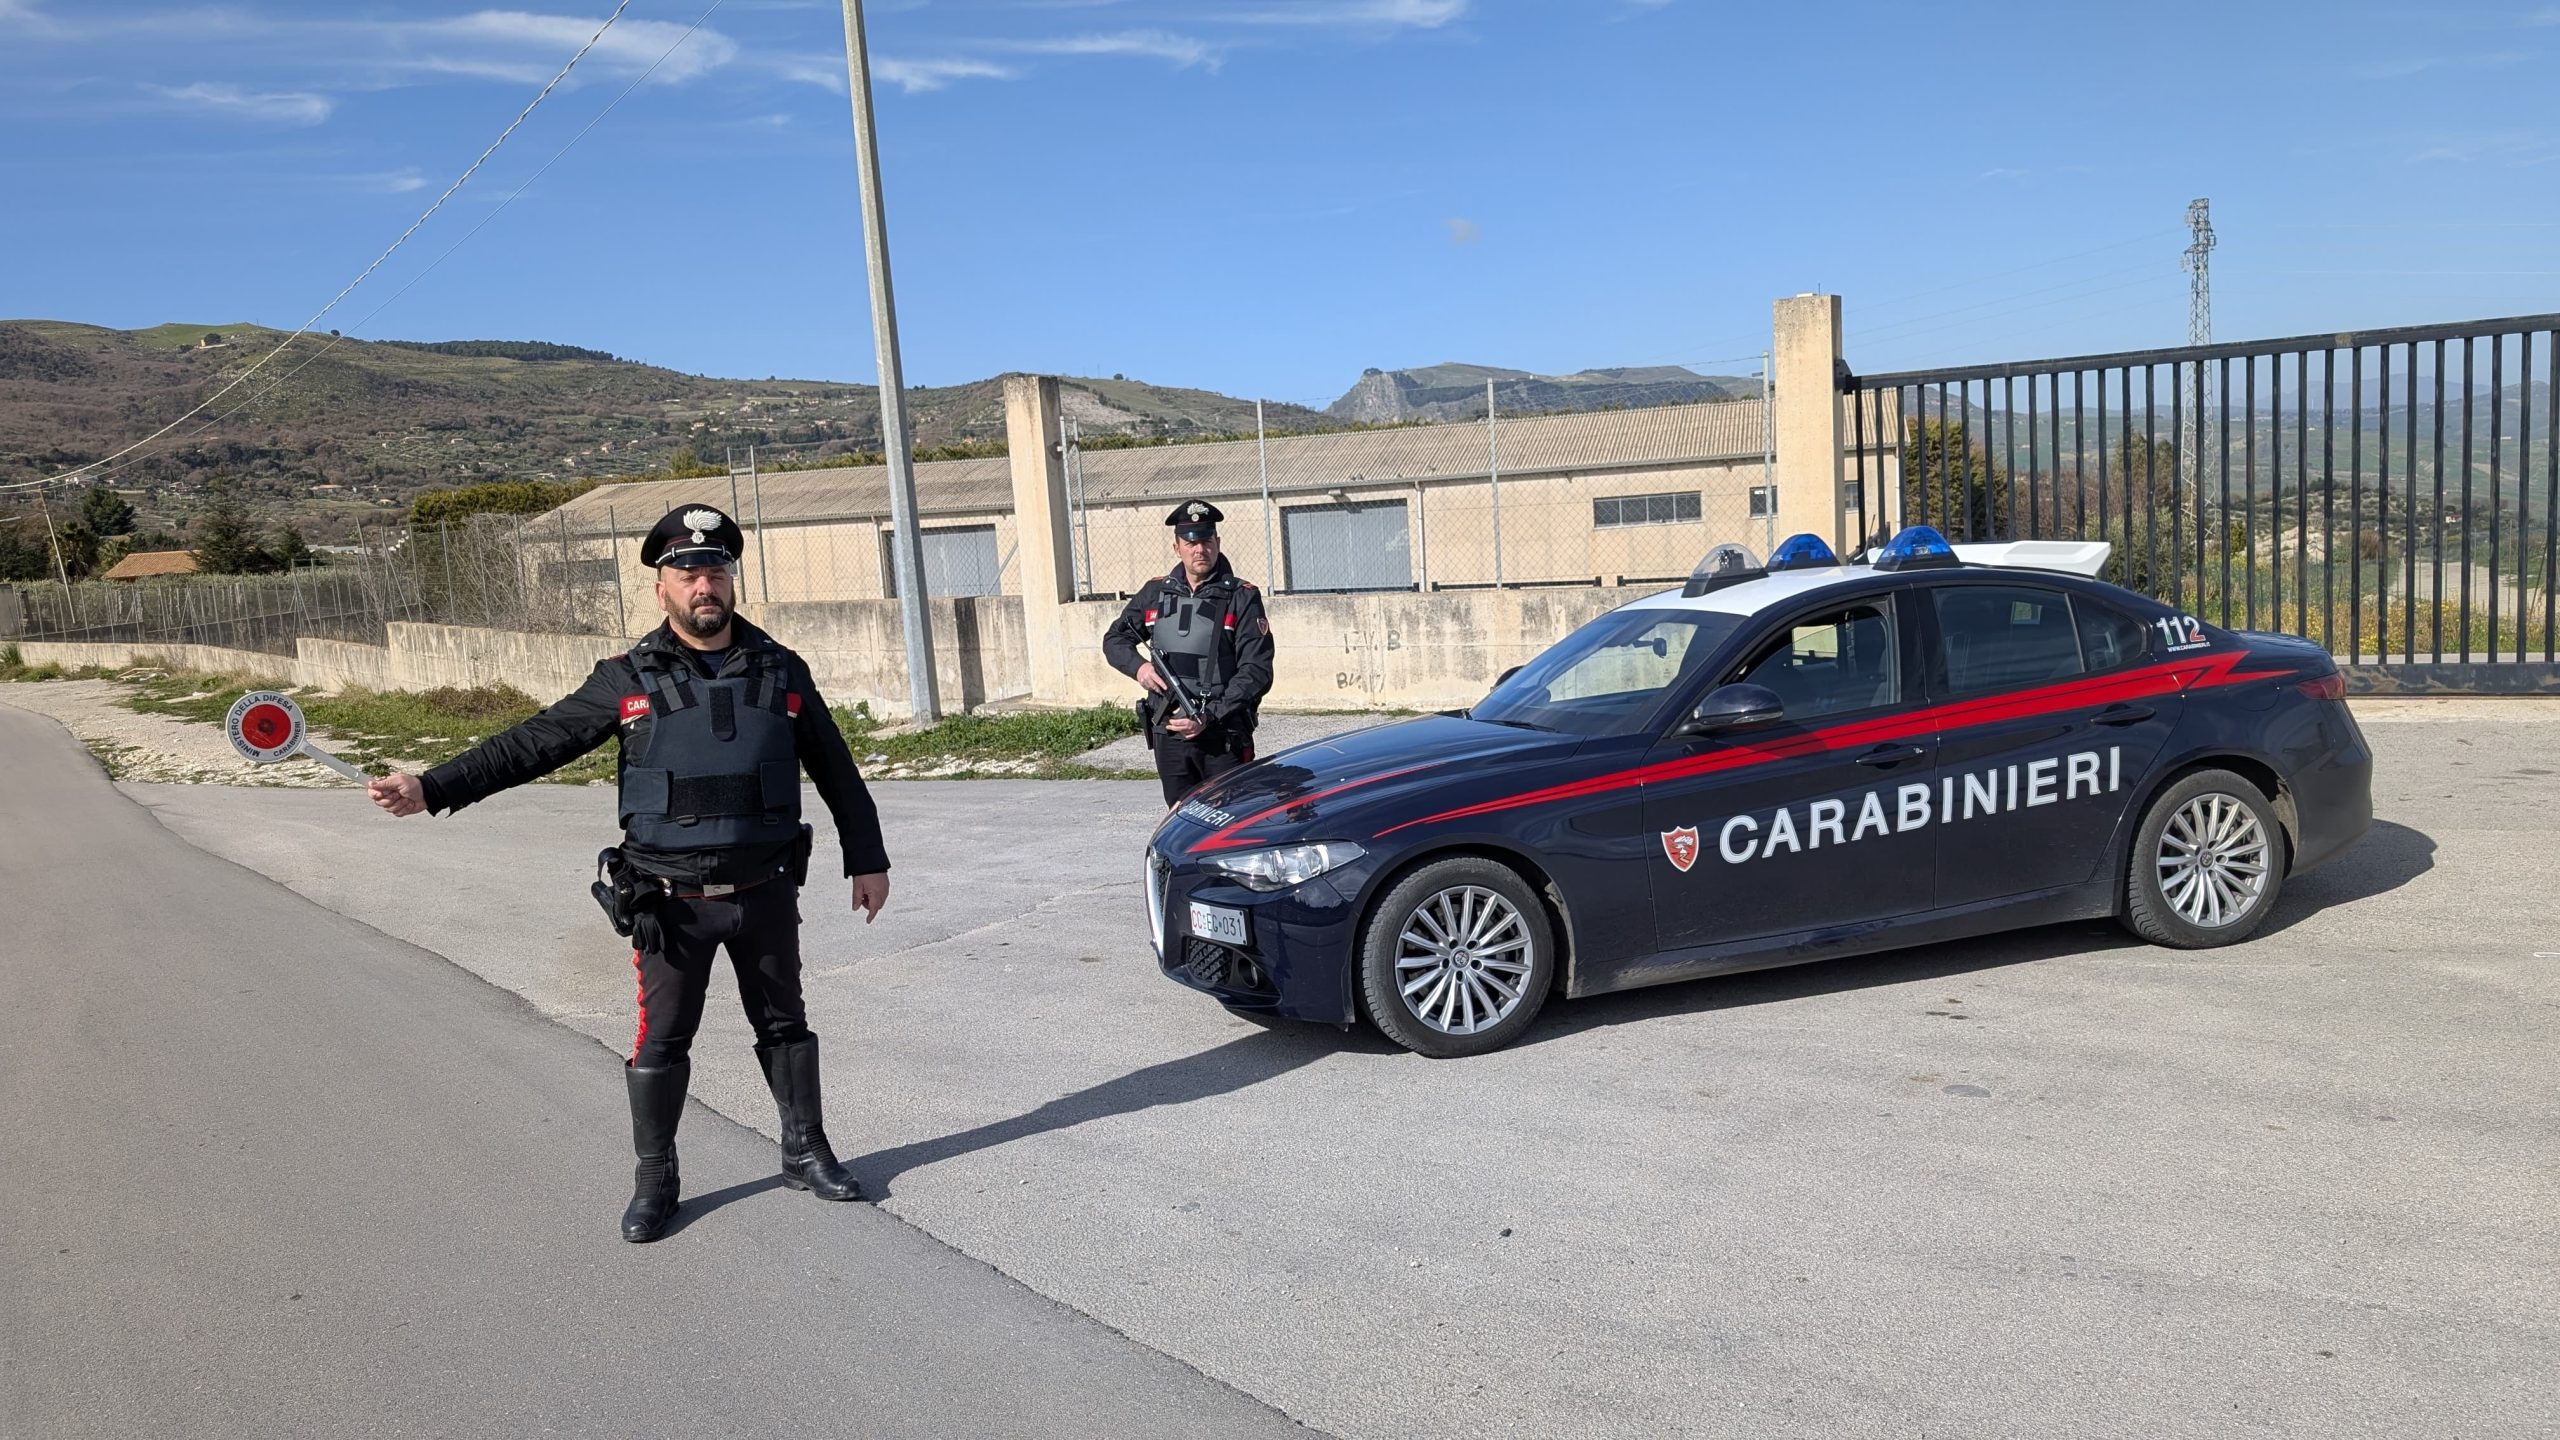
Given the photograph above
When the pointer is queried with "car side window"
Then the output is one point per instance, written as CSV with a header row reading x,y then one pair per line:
x,y
1997,637
1829,663
2109,638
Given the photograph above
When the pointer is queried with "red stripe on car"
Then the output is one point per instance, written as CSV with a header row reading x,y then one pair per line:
x,y
2170,677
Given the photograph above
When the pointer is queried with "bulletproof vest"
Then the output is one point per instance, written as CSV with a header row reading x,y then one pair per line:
x,y
1189,634
716,767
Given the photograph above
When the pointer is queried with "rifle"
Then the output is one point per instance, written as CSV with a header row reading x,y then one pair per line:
x,y
1173,686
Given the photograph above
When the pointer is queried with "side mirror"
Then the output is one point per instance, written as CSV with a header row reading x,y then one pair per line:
x,y
1507,674
1732,707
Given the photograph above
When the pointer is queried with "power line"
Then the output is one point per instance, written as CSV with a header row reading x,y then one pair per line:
x,y
94,472
76,472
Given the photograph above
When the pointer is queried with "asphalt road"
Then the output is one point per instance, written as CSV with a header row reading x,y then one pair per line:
x,y
267,1171
2053,1184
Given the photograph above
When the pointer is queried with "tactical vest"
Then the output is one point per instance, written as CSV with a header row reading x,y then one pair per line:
x,y
1189,635
716,768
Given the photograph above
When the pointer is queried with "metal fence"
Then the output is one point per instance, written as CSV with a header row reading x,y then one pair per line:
x,y
486,571
2389,493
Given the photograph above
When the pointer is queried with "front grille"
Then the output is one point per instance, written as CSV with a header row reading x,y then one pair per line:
x,y
1213,966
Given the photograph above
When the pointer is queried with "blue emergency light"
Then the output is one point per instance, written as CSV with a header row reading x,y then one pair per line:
x,y
1918,547
1801,552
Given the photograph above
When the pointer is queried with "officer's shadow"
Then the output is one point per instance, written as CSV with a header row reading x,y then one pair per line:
x,y
1244,1061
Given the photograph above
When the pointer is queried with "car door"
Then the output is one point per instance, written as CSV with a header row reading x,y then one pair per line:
x,y
1795,825
2037,761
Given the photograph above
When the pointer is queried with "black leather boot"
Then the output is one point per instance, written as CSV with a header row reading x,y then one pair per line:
x,y
808,1161
657,1103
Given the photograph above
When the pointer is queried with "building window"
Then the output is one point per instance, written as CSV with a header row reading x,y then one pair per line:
x,y
1347,547
960,560
1764,501
1618,510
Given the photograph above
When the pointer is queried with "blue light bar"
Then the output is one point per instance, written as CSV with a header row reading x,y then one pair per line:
x,y
1801,552
1918,547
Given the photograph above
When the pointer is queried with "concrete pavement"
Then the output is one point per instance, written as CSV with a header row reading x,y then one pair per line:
x,y
270,1172
2056,1183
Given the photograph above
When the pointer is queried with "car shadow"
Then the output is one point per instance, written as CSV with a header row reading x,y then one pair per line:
x,y
2388,857
1245,1061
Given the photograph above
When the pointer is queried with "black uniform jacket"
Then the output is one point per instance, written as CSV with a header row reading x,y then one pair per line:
x,y
593,715
1234,708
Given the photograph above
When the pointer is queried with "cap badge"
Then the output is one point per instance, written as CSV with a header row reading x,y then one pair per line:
x,y
699,521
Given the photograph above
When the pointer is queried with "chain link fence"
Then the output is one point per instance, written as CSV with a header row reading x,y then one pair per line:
x,y
1621,496
488,571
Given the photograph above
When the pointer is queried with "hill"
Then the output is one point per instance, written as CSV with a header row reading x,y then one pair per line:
x,y
1456,392
339,431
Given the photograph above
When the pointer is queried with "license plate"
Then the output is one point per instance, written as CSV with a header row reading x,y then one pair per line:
x,y
1216,922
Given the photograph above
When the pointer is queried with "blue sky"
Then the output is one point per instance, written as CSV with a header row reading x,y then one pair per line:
x,y
1264,196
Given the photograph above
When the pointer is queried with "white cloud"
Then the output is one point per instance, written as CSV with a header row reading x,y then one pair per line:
x,y
1461,231
391,182
293,107
520,46
914,76
1410,14
2419,64
1182,50
24,17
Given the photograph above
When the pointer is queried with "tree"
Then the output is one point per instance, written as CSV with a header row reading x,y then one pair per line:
x,y
24,554
105,512
226,544
79,546
288,550
1953,484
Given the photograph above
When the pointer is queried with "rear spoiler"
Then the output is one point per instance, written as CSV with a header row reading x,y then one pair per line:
x,y
2076,557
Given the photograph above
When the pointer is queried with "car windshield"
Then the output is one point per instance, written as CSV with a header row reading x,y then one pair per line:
x,y
1611,676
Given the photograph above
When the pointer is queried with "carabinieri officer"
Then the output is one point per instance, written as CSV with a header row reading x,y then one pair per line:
x,y
715,720
1210,639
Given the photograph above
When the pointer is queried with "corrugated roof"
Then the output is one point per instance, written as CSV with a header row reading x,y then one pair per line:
x,y
1614,439
143,564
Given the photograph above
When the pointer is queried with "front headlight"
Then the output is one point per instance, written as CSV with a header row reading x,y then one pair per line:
x,y
1282,866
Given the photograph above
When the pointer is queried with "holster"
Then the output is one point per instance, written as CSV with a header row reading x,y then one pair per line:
x,y
1146,720
624,893
800,856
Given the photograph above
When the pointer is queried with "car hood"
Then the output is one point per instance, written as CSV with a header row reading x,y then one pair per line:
x,y
1338,788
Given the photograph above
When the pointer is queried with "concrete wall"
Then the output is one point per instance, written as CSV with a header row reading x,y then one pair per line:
x,y
1356,652
855,648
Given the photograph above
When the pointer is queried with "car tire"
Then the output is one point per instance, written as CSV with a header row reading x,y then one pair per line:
x,y
2189,882
1457,959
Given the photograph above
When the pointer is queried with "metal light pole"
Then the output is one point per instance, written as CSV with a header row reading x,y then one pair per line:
x,y
906,546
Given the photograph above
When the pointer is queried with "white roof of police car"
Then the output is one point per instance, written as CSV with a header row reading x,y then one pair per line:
x,y
1750,597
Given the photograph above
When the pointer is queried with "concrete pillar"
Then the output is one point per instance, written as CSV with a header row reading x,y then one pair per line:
x,y
1041,524
1805,361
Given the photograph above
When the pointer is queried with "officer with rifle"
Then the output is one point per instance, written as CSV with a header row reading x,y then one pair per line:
x,y
715,722
1207,660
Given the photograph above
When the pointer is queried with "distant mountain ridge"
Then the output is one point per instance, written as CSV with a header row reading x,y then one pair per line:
x,y
1453,391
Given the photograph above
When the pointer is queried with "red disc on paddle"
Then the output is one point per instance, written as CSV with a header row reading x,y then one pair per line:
x,y
266,726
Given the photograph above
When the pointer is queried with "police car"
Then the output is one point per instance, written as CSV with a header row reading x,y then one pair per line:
x,y
1775,763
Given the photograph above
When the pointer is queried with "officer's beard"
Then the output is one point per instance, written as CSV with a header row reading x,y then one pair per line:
x,y
704,618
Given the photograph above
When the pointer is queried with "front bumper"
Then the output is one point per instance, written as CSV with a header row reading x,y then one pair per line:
x,y
1300,948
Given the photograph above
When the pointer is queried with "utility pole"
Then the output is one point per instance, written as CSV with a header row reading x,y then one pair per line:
x,y
1262,460
2197,262
60,571
906,545
1493,478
